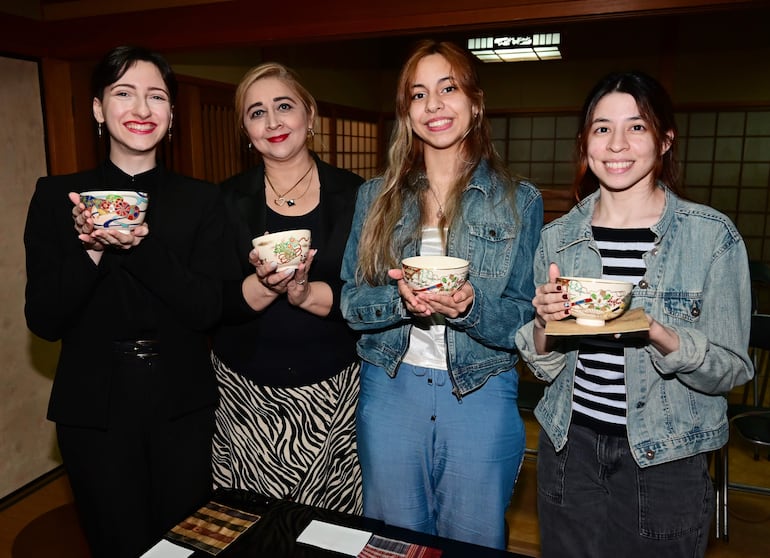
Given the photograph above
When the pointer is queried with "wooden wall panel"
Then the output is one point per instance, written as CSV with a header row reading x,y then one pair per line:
x,y
27,363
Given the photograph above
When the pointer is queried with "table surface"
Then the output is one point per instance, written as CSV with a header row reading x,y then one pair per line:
x,y
275,534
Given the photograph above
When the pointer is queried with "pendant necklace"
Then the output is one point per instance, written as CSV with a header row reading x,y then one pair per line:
x,y
440,212
281,199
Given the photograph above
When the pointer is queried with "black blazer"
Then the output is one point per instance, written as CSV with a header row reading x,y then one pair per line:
x,y
176,269
246,208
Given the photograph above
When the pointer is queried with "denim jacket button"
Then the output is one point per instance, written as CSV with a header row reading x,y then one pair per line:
x,y
649,454
378,313
643,284
695,311
640,405
654,252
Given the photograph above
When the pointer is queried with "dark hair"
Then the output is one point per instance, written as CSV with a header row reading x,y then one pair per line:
x,y
117,61
655,108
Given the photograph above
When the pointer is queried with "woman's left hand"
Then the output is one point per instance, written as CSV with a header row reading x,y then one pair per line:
x,y
664,339
298,288
450,305
122,239
425,304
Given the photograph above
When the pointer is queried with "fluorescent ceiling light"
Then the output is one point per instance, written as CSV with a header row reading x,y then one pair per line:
x,y
516,48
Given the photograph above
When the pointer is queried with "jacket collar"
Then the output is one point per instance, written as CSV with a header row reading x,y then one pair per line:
x,y
578,228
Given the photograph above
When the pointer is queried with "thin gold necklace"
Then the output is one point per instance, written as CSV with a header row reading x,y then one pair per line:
x,y
440,212
281,199
293,201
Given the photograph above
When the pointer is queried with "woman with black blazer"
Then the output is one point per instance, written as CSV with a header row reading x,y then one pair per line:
x,y
284,356
134,394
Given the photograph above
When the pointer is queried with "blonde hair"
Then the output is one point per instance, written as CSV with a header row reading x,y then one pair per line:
x,y
278,71
402,183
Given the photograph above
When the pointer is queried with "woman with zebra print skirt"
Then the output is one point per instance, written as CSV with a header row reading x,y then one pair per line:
x,y
285,359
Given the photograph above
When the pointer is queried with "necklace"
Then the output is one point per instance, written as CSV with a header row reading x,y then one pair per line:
x,y
281,199
292,201
440,212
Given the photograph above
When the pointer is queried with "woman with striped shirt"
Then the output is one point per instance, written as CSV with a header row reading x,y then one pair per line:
x,y
627,420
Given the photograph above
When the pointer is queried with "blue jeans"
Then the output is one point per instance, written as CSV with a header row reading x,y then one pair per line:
x,y
595,501
434,464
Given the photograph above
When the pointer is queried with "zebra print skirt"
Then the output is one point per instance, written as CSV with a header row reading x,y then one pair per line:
x,y
297,443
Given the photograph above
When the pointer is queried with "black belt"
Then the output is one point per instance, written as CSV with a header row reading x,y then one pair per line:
x,y
140,348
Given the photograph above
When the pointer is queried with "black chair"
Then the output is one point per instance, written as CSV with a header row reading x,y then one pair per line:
x,y
760,281
750,421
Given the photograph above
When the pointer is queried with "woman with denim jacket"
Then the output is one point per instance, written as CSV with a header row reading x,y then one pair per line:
x,y
627,420
437,416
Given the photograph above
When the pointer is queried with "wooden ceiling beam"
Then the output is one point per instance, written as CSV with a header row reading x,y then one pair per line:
x,y
241,23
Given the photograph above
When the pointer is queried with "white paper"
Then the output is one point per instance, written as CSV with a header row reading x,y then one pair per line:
x,y
167,549
334,537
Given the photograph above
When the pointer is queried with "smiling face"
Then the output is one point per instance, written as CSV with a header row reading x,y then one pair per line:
x,y
275,119
137,113
621,150
440,113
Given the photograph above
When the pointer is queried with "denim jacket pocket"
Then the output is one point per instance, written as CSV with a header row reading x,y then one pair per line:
x,y
682,306
490,248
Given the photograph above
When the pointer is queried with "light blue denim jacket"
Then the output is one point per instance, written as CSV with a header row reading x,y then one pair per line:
x,y
697,283
498,241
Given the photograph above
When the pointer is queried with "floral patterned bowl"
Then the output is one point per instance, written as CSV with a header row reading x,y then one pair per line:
x,y
442,274
286,248
115,209
595,301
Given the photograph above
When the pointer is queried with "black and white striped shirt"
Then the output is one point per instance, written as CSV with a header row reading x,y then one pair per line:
x,y
599,396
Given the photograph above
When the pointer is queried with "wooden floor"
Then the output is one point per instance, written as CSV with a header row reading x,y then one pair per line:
x,y
42,524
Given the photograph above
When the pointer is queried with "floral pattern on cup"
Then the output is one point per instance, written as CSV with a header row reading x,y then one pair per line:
x,y
441,274
115,209
434,281
594,301
287,249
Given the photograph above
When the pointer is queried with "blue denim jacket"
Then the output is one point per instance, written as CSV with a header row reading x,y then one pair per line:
x,y
498,241
697,283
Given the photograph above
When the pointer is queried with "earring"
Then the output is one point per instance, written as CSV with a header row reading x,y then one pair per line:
x,y
310,133
169,133
249,147
99,129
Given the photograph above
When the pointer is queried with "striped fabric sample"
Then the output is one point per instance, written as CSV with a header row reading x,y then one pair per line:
x,y
380,547
212,528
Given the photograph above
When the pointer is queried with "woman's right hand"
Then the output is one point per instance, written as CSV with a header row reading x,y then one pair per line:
x,y
413,304
274,281
551,302
84,225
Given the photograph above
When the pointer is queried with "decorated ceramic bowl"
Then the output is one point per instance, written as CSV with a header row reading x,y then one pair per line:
x,y
288,249
115,209
595,301
443,274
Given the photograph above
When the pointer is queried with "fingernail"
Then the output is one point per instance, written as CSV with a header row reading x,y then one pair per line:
x,y
566,305
565,296
558,287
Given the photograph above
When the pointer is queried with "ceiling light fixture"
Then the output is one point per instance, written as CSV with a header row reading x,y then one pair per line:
x,y
517,48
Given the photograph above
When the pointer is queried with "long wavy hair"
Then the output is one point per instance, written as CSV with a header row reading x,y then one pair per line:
x,y
655,108
403,180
